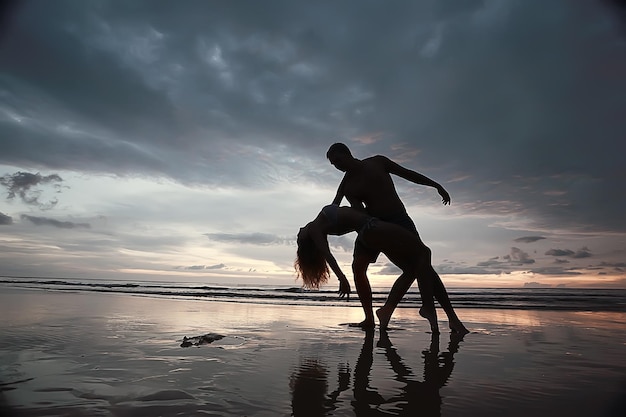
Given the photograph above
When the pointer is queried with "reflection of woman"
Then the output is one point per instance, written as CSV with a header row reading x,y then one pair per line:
x,y
402,247
309,385
366,400
308,389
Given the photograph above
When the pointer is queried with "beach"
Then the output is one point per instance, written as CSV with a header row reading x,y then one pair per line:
x,y
81,353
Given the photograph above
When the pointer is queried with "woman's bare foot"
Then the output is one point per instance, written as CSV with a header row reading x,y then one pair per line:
x,y
365,324
457,327
431,316
383,317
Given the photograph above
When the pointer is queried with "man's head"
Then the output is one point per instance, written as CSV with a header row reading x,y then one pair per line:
x,y
340,156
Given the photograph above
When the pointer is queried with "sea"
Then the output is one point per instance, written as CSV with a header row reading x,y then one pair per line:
x,y
562,299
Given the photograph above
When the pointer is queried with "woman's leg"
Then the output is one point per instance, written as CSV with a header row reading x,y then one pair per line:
x,y
400,287
363,289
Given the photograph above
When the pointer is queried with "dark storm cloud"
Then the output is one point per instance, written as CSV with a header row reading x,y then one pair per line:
x,y
511,263
616,265
529,239
519,257
345,242
494,265
390,269
560,252
582,253
491,262
5,219
515,105
579,254
482,268
45,221
7,11
62,65
24,185
556,271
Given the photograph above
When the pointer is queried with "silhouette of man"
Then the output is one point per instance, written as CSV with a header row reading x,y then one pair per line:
x,y
367,185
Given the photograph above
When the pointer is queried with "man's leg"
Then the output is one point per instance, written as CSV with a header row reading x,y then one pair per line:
x,y
429,278
363,288
438,289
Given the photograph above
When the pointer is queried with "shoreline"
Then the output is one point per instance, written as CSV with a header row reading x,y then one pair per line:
x,y
499,299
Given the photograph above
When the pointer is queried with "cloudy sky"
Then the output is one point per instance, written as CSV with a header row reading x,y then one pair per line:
x,y
186,141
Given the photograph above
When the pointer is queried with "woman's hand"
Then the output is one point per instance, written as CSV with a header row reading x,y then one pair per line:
x,y
344,287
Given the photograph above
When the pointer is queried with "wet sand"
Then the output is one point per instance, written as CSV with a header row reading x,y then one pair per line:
x,y
87,354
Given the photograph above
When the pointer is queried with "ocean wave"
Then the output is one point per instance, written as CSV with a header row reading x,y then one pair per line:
x,y
570,299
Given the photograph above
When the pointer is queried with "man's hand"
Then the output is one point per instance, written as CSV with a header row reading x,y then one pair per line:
x,y
445,197
344,288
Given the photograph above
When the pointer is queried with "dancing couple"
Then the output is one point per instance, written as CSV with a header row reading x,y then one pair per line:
x,y
382,224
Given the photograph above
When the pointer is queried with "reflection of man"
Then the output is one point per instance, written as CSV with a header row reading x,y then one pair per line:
x,y
415,397
367,184
422,397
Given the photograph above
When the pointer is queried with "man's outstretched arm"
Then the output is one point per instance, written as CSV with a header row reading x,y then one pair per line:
x,y
416,178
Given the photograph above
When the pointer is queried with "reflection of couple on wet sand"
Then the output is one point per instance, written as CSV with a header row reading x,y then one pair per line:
x,y
309,384
382,225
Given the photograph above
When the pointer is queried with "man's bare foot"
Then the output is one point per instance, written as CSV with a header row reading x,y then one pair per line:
x,y
431,316
457,327
365,324
383,317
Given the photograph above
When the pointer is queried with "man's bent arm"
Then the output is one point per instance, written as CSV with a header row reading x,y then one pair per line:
x,y
339,195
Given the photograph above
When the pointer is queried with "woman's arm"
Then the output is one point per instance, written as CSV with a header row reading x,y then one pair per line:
x,y
321,242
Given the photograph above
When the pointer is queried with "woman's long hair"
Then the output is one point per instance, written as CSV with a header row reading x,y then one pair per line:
x,y
310,264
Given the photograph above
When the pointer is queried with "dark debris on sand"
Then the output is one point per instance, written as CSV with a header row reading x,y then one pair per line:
x,y
201,340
